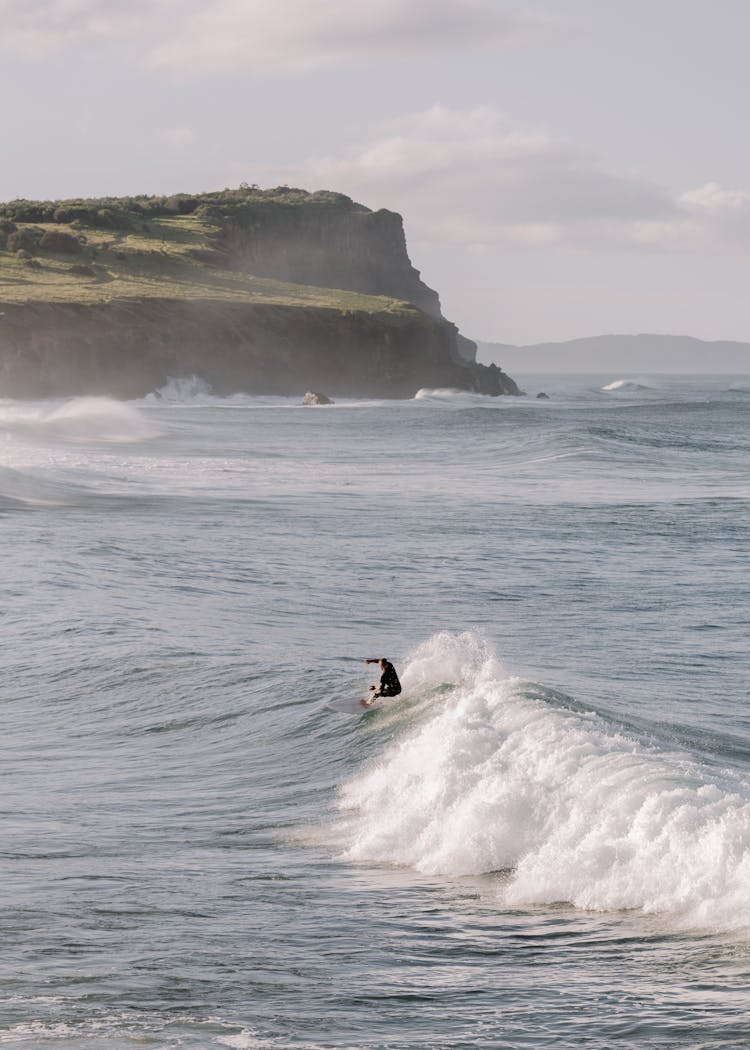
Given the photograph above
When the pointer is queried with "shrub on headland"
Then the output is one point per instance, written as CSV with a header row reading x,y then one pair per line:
x,y
180,204
32,239
26,239
127,213
28,211
60,241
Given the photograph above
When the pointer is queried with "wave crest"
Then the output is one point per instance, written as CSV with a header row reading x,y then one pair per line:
x,y
81,419
498,776
629,385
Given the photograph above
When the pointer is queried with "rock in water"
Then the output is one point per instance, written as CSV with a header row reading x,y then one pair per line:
x,y
313,398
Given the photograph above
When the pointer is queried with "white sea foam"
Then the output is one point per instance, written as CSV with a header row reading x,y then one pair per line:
x,y
498,776
196,392
244,1040
629,385
449,394
185,390
123,1027
81,419
32,1032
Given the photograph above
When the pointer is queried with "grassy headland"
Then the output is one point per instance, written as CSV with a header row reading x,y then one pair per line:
x,y
93,251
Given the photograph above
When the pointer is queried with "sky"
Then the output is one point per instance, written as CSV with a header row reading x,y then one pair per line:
x,y
564,167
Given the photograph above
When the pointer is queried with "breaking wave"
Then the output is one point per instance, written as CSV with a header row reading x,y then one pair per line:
x,y
450,394
81,419
498,775
629,385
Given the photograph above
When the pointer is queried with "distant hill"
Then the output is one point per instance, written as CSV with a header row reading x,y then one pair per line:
x,y
621,353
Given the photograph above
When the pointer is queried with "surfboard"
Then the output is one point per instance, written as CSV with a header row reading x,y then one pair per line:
x,y
356,706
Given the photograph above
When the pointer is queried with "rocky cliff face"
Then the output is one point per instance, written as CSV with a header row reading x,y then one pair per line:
x,y
128,348
327,241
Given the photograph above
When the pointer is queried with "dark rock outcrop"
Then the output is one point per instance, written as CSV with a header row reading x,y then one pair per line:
x,y
489,379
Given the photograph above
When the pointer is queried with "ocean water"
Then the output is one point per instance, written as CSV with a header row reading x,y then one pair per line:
x,y
545,842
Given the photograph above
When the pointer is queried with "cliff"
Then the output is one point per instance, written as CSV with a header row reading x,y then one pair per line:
x,y
267,292
321,239
127,348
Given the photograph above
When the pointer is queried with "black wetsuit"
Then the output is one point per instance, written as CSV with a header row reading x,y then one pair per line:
x,y
389,683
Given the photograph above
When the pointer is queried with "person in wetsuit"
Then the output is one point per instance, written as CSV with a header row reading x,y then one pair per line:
x,y
389,683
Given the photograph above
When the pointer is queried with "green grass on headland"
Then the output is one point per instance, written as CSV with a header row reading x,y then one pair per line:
x,y
155,248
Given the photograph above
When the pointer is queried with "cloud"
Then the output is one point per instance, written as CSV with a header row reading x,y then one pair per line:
x,y
214,36
712,197
37,28
297,34
724,214
470,177
178,136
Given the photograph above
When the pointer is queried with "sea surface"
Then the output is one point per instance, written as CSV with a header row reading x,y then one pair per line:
x,y
545,842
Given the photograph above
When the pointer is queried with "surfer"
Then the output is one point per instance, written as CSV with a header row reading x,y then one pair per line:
x,y
389,683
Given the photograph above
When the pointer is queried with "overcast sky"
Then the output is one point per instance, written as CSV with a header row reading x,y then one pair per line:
x,y
564,167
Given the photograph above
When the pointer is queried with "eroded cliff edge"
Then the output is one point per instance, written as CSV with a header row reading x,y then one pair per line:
x,y
265,292
127,348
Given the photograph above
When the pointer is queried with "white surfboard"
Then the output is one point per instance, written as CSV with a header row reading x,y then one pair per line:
x,y
357,706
